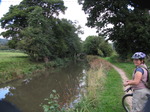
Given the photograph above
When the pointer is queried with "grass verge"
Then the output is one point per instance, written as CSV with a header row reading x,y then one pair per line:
x,y
104,90
14,65
128,67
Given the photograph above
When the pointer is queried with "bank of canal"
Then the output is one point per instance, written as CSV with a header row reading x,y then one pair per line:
x,y
28,94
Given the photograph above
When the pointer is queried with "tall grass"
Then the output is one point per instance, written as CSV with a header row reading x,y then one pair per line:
x,y
95,81
104,89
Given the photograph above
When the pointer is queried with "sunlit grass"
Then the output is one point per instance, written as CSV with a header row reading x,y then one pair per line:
x,y
15,65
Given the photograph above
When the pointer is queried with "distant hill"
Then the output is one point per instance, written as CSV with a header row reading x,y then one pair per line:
x,y
3,41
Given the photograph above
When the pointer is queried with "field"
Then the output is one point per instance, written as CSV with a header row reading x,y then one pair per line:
x,y
15,65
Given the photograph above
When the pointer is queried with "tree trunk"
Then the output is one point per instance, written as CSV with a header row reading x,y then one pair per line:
x,y
46,60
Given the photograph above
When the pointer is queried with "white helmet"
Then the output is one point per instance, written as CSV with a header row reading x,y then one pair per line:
x,y
139,55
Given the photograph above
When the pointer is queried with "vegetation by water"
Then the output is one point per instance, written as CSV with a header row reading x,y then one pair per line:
x,y
108,97
16,65
104,90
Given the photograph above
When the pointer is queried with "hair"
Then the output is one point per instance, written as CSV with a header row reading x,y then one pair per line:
x,y
142,59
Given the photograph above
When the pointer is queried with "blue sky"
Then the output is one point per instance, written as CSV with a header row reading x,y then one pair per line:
x,y
74,12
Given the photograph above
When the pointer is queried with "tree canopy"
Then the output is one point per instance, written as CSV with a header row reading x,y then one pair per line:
x,y
34,27
131,29
96,45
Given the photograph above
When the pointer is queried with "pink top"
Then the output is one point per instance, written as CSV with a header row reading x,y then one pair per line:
x,y
144,78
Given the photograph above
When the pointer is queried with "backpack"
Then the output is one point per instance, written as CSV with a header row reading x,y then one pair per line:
x,y
147,83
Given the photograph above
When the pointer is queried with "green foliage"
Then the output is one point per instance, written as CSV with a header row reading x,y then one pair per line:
x,y
57,62
33,26
36,42
96,45
17,18
131,29
52,105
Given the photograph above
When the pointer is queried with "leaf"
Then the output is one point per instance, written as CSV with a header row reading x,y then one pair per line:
x,y
51,96
46,108
54,91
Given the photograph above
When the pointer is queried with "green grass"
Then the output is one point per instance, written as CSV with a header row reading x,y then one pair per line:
x,y
14,65
108,95
111,96
128,67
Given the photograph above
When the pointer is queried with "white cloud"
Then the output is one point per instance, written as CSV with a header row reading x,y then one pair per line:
x,y
4,8
74,12
5,4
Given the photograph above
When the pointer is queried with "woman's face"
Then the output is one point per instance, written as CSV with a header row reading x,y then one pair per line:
x,y
137,62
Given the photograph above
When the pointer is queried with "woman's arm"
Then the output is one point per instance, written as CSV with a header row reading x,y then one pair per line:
x,y
137,79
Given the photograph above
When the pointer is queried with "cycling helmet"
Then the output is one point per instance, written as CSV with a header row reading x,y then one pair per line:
x,y
139,55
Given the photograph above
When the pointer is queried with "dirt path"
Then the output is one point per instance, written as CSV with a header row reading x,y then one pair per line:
x,y
124,78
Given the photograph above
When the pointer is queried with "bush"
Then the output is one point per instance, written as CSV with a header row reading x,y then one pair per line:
x,y
96,45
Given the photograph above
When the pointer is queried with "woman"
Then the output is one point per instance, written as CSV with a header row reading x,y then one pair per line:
x,y
137,83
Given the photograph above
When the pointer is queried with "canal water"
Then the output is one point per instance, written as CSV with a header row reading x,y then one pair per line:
x,y
29,94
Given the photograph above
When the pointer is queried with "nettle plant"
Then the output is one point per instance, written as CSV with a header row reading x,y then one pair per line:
x,y
53,105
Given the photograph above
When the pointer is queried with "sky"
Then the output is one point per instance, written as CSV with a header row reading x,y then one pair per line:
x,y
74,12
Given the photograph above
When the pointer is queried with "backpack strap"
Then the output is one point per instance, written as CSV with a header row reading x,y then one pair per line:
x,y
147,72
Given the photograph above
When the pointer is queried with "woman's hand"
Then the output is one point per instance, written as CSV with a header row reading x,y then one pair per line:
x,y
135,81
126,83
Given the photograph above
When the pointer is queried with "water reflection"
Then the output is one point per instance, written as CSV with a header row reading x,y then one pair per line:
x,y
68,82
3,92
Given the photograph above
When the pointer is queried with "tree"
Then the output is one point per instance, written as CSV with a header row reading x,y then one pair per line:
x,y
33,26
16,19
96,45
130,31
37,36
